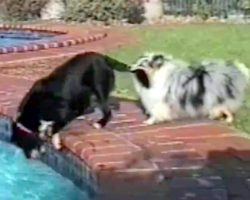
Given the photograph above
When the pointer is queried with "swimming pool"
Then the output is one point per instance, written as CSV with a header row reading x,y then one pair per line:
x,y
9,38
24,38
22,179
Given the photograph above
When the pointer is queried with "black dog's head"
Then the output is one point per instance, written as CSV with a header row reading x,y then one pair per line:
x,y
146,66
29,142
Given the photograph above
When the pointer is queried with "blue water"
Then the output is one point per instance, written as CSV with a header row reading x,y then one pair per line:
x,y
22,179
19,38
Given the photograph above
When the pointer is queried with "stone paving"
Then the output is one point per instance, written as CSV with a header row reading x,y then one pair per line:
x,y
186,160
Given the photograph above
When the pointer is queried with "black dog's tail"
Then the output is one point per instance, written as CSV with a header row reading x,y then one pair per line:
x,y
117,65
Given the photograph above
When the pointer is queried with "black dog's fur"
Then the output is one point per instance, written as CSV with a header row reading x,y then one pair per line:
x,y
66,94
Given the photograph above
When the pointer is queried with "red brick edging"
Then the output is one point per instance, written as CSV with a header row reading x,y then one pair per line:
x,y
74,40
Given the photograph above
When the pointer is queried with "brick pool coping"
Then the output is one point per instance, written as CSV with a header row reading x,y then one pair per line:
x,y
194,160
61,41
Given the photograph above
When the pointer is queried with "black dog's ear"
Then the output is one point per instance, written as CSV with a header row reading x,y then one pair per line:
x,y
142,77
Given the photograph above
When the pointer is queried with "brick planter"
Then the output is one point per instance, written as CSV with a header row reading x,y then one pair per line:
x,y
151,162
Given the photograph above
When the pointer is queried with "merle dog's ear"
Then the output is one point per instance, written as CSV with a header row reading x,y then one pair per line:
x,y
142,77
157,61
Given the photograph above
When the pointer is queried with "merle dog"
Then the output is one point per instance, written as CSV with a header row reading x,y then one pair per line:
x,y
171,89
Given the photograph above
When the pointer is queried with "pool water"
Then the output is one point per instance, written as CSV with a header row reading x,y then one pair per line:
x,y
22,179
20,38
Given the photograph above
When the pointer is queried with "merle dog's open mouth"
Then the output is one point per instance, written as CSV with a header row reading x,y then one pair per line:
x,y
142,77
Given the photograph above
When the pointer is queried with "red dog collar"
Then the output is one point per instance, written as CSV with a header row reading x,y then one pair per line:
x,y
24,132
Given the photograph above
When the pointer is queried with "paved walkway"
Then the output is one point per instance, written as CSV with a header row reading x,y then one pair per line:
x,y
191,160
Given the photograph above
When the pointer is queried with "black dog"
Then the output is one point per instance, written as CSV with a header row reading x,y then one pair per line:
x,y
62,96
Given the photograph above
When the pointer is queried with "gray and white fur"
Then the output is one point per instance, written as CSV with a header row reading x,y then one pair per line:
x,y
171,89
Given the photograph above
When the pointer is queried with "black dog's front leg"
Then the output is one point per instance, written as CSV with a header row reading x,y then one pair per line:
x,y
102,95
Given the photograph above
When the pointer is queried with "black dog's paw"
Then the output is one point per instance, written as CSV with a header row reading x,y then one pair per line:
x,y
34,154
43,136
82,117
56,141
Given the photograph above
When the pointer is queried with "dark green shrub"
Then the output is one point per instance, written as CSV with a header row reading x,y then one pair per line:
x,y
245,6
202,9
104,10
22,9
